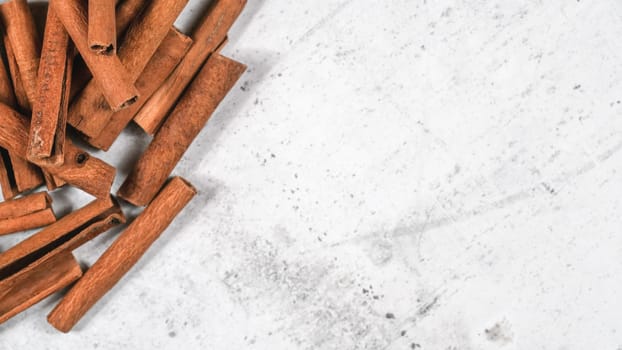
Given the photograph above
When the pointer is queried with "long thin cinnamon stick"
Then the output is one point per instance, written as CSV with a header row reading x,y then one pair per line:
x,y
27,222
207,37
26,176
194,109
126,11
108,71
25,205
163,62
122,254
35,283
22,33
89,113
49,112
67,234
79,169
102,35
7,181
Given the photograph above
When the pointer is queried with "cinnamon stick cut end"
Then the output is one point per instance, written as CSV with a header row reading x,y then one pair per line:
x,y
104,49
102,32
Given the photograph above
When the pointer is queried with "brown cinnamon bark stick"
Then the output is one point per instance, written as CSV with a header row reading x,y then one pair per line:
x,y
122,254
163,62
126,11
108,71
194,109
49,112
25,205
81,170
36,283
21,32
102,35
27,222
25,175
67,234
89,113
207,37
7,181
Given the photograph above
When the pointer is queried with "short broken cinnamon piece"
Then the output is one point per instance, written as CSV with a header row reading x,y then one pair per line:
x,y
89,113
37,282
108,71
25,205
102,33
49,109
163,62
208,36
194,109
124,253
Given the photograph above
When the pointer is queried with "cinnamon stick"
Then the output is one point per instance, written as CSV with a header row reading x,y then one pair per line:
x,y
108,71
122,254
126,11
207,37
169,54
27,222
102,33
7,181
36,283
67,234
194,109
80,169
21,32
49,112
25,176
25,205
89,113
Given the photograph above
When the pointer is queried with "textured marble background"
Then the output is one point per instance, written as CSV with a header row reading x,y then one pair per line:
x,y
401,174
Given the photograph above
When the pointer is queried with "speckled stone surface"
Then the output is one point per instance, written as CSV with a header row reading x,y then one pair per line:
x,y
387,175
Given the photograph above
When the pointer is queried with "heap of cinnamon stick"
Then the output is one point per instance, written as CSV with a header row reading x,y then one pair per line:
x,y
98,66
